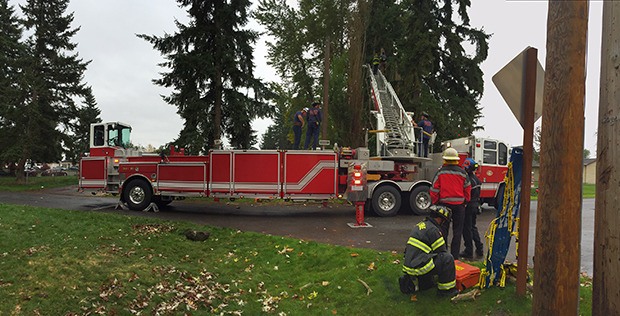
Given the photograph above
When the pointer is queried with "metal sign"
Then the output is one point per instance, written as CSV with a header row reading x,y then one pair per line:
x,y
323,142
510,82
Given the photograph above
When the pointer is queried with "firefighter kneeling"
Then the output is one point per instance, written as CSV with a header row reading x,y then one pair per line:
x,y
426,255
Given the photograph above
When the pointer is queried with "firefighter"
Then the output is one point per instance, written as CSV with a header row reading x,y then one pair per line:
x,y
298,124
426,255
470,231
314,123
375,63
427,133
451,188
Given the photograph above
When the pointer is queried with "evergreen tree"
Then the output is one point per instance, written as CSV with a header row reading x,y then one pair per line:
x,y
53,74
78,142
211,73
440,75
12,54
280,135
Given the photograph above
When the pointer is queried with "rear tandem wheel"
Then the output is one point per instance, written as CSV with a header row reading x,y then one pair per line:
x,y
386,201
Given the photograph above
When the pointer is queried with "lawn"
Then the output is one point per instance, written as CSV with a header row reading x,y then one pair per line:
x,y
36,183
59,262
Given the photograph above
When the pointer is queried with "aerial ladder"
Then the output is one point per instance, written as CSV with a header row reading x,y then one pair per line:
x,y
395,132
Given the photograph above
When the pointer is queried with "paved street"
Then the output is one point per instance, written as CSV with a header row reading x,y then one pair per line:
x,y
308,221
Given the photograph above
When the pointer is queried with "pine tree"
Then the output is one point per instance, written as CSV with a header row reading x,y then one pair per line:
x,y
78,142
53,77
211,73
440,75
279,135
12,54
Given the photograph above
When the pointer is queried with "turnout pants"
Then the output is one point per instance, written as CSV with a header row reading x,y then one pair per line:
x,y
458,219
297,132
444,270
471,236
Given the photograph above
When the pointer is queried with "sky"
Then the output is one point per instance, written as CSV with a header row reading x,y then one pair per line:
x,y
124,65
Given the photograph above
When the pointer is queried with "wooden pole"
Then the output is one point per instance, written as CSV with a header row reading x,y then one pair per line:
x,y
558,229
529,103
606,283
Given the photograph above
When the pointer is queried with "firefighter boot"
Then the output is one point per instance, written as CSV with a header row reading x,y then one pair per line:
x,y
407,284
467,254
480,252
448,293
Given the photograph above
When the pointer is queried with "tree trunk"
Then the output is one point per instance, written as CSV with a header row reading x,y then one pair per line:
x,y
217,110
606,283
355,80
558,229
324,123
19,172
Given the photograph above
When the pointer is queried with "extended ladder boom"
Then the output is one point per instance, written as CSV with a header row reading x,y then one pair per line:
x,y
397,138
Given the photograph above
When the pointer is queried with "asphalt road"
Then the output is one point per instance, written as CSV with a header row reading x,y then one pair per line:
x,y
308,221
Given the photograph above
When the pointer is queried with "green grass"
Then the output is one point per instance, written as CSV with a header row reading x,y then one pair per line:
x,y
36,183
588,191
59,262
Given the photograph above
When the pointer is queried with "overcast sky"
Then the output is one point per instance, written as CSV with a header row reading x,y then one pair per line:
x,y
123,65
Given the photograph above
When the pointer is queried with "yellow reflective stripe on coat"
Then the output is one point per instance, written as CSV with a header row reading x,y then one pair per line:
x,y
420,271
419,244
438,243
446,286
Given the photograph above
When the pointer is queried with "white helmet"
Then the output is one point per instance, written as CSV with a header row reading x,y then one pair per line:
x,y
450,154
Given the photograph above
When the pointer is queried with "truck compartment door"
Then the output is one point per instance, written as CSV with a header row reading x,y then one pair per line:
x,y
93,173
311,175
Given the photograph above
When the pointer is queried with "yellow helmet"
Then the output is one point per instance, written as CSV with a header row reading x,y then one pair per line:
x,y
450,154
441,211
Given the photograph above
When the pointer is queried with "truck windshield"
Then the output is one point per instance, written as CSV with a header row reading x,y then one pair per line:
x,y
118,135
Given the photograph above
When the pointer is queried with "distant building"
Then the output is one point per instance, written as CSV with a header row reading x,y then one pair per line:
x,y
589,171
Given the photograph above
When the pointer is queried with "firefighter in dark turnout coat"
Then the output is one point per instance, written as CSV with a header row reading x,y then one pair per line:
x,y
471,236
426,255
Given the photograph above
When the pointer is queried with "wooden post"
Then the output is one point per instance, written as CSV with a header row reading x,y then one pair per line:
x,y
529,103
606,283
558,229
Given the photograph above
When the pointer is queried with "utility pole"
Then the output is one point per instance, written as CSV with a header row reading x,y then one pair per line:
x,y
606,283
558,229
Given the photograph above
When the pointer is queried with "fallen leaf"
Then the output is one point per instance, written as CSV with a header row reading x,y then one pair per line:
x,y
354,255
334,312
325,283
414,298
371,267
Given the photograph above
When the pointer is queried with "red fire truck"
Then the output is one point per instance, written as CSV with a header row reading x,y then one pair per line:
x,y
395,176
492,157
145,180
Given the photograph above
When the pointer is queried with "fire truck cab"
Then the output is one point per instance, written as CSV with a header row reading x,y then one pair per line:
x,y
492,157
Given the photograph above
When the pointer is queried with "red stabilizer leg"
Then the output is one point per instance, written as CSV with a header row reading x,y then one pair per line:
x,y
359,213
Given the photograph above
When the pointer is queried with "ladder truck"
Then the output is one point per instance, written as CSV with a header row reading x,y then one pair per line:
x,y
396,178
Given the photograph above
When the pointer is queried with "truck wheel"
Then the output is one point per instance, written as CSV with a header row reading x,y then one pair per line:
x,y
386,201
137,194
420,200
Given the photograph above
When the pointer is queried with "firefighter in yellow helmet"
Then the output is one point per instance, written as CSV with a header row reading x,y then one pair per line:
x,y
427,256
